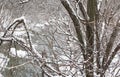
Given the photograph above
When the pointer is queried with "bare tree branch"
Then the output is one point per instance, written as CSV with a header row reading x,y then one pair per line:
x,y
74,18
111,43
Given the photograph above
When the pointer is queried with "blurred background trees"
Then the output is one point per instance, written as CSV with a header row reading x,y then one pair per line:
x,y
59,38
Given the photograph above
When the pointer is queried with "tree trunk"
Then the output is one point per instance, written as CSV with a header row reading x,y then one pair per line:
x,y
89,57
92,13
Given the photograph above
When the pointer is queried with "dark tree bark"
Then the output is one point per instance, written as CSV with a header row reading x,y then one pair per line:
x,y
91,11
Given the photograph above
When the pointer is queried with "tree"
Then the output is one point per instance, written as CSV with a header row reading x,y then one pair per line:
x,y
92,37
81,40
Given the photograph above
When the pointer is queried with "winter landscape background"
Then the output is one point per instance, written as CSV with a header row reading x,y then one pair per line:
x,y
59,38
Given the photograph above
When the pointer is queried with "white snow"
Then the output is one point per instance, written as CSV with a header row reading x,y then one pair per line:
x,y
18,33
46,23
116,59
3,62
64,57
1,75
36,52
18,53
99,4
42,26
102,32
20,18
1,34
2,58
24,1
